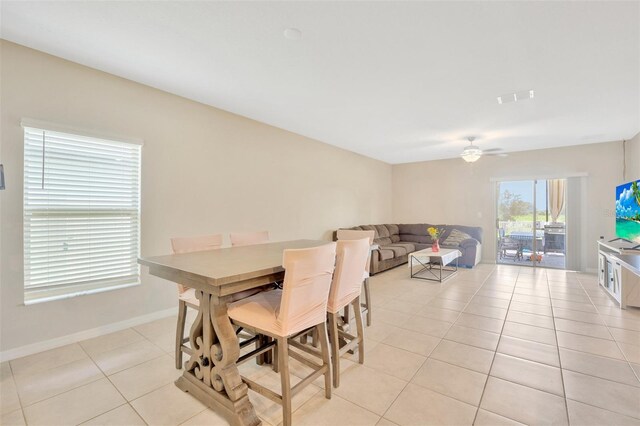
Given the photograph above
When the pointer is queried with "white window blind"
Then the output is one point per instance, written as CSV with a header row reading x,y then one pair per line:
x,y
81,214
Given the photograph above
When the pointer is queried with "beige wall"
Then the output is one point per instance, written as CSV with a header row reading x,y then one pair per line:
x,y
633,159
455,192
203,171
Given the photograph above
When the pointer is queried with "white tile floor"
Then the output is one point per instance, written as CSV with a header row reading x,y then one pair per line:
x,y
494,345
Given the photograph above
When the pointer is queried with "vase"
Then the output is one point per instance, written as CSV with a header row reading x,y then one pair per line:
x,y
435,247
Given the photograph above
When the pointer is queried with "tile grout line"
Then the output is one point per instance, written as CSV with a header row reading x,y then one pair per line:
x,y
115,387
427,358
24,406
104,376
555,333
13,377
609,331
484,388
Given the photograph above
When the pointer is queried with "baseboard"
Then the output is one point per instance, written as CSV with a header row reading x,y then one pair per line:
x,y
83,335
591,270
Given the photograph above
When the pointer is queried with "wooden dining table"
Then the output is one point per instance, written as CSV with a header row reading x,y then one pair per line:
x,y
211,374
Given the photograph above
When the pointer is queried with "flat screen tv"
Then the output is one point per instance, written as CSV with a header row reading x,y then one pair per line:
x,y
628,211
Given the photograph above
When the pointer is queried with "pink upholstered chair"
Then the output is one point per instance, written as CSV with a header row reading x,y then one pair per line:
x,y
285,314
351,257
351,234
249,238
186,296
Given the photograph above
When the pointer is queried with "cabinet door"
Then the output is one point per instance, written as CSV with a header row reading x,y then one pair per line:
x,y
602,270
617,281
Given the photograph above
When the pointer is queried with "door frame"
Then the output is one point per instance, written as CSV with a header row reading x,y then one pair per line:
x,y
534,244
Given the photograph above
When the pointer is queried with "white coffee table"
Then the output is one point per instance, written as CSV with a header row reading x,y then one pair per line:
x,y
434,265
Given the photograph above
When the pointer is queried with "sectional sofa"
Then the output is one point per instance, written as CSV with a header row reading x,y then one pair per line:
x,y
396,241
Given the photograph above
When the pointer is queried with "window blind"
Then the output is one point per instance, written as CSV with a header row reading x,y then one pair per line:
x,y
81,214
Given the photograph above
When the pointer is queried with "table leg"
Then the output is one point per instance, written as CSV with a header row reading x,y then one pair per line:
x,y
211,374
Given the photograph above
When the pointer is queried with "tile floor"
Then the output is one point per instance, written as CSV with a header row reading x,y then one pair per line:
x,y
494,345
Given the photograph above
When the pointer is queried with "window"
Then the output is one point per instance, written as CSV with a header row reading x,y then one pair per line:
x,y
81,214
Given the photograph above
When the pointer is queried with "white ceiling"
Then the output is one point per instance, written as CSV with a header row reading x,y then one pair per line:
x,y
395,81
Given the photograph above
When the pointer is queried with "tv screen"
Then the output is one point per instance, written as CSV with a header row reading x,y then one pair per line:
x,y
628,211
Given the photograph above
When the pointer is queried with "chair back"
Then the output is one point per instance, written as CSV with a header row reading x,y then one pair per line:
x,y
248,238
191,244
351,259
352,234
305,291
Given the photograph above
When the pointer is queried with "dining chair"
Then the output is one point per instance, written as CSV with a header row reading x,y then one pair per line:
x,y
248,238
352,234
346,287
283,315
186,296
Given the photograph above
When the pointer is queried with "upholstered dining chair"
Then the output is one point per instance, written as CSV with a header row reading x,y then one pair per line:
x,y
186,296
346,287
283,315
352,234
248,238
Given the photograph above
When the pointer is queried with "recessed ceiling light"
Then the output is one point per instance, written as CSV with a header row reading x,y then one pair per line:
x,y
293,34
515,97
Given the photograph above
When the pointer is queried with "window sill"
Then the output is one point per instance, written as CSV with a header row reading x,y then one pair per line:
x,y
44,298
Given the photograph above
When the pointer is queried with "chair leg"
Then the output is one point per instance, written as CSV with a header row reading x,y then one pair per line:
x,y
360,329
283,362
259,343
321,331
182,318
275,359
335,348
367,300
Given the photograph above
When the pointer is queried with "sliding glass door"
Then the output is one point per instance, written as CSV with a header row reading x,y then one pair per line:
x,y
531,223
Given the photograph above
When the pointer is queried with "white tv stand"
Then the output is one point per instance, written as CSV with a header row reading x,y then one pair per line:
x,y
619,270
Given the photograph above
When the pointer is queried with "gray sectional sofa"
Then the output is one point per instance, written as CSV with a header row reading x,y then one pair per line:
x,y
396,241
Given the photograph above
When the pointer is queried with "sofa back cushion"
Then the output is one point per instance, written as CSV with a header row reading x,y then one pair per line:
x,y
417,232
393,229
386,234
413,229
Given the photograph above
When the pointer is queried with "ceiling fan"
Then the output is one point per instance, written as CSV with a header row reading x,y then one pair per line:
x,y
472,153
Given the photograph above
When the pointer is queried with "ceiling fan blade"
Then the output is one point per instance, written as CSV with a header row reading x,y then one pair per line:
x,y
492,150
497,154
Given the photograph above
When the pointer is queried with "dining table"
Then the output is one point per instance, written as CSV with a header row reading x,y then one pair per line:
x,y
211,373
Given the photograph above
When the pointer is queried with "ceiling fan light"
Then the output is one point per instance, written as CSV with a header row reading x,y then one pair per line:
x,y
471,154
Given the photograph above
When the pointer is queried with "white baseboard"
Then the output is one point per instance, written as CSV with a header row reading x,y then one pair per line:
x,y
83,335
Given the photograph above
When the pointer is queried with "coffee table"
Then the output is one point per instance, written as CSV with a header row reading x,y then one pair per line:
x,y
434,264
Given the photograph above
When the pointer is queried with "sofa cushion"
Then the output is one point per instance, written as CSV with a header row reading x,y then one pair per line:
x,y
395,238
408,247
385,254
455,237
411,238
370,228
382,231
383,241
397,250
413,228
393,229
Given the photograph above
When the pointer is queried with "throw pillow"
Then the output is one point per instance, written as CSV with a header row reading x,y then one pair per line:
x,y
455,238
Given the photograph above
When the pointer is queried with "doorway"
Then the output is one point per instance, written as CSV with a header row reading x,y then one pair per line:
x,y
531,223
